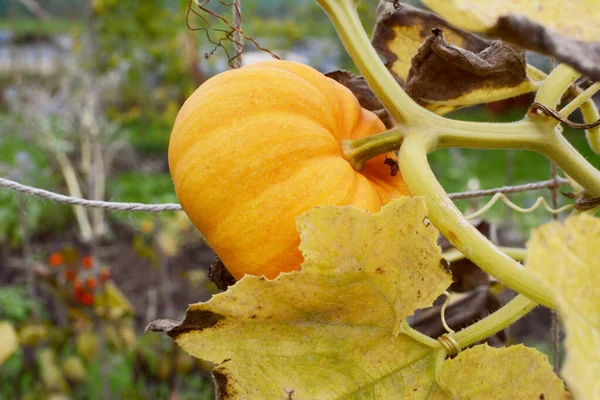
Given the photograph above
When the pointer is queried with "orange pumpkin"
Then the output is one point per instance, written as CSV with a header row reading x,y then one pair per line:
x,y
253,148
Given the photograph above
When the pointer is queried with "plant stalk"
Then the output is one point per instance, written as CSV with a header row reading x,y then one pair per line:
x,y
557,82
579,100
516,253
421,181
559,150
495,322
356,152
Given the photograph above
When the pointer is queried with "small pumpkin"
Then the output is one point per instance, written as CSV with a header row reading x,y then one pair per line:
x,y
253,148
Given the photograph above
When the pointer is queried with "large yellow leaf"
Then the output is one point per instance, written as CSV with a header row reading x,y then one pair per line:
x,y
472,70
567,30
332,330
9,342
565,255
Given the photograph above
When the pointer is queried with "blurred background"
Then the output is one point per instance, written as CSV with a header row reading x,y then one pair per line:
x,y
89,90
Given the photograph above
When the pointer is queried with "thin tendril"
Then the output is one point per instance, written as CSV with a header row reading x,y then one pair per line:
x,y
555,114
229,35
536,205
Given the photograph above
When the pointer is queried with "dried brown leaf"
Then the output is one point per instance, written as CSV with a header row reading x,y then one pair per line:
x,y
567,31
461,71
363,93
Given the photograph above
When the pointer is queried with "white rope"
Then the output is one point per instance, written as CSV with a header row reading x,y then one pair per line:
x,y
107,205
119,206
510,189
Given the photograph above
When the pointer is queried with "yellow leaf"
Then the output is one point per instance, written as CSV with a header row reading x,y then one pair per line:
x,y
167,240
383,252
74,369
111,303
31,334
87,345
332,330
51,374
400,33
9,342
565,256
567,30
486,373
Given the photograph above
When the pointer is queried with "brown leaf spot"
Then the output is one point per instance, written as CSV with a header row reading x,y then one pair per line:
x,y
379,270
223,390
445,264
452,237
194,320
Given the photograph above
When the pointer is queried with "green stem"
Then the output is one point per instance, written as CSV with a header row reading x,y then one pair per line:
x,y
590,113
531,134
515,253
557,82
523,135
495,322
559,150
579,100
414,334
360,150
345,18
421,181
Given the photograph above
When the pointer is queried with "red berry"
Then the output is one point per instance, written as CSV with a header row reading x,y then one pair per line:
x,y
77,285
91,282
70,274
55,259
86,299
87,262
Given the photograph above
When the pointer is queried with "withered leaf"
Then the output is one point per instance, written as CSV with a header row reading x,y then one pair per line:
x,y
363,93
567,31
400,32
458,72
480,71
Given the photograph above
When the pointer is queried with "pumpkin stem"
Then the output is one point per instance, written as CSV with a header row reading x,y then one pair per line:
x,y
357,151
